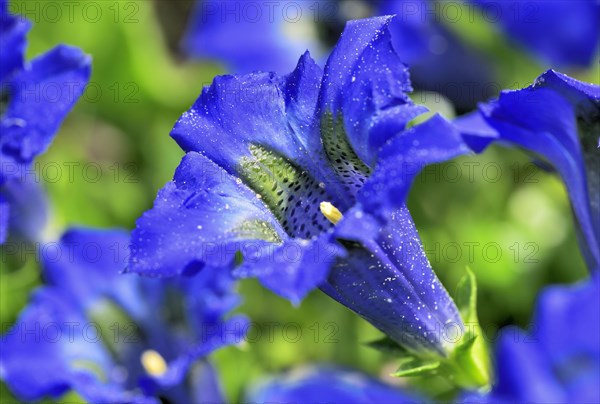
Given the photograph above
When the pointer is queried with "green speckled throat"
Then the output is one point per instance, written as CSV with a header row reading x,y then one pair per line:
x,y
292,193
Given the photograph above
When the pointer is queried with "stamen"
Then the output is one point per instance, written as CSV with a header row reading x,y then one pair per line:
x,y
153,363
330,212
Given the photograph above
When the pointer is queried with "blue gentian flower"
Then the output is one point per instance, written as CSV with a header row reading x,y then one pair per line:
x,y
116,338
558,361
266,36
35,97
251,37
438,59
274,185
559,33
324,384
558,119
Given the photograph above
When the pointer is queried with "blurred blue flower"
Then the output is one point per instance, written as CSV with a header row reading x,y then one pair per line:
x,y
272,184
251,37
12,41
559,360
560,33
557,118
325,384
34,99
4,211
25,209
267,36
437,58
117,338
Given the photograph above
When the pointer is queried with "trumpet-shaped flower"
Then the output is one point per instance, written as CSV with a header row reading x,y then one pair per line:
x,y
116,338
558,119
35,97
278,183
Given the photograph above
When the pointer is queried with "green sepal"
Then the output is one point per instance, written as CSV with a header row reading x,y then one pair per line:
x,y
466,344
410,364
390,347
466,297
416,367
469,363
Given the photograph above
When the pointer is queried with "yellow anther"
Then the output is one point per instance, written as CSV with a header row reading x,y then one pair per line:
x,y
153,363
330,212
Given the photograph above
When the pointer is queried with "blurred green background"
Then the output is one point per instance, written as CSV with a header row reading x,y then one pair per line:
x,y
497,213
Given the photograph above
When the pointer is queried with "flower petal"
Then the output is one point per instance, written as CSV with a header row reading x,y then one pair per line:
x,y
40,97
259,41
524,373
562,33
27,216
366,83
438,59
12,42
86,264
477,133
4,213
203,217
260,108
294,268
403,157
205,384
327,384
574,354
558,119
